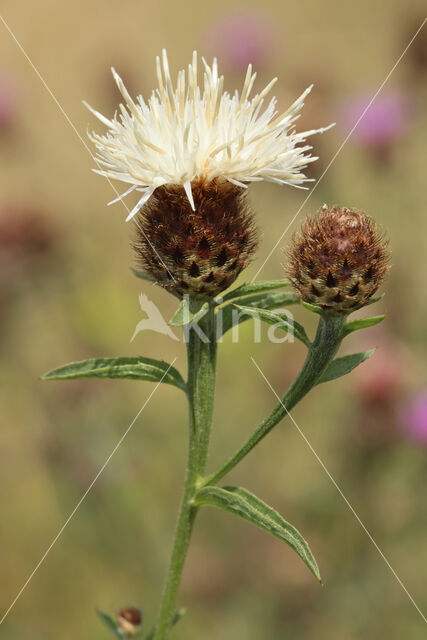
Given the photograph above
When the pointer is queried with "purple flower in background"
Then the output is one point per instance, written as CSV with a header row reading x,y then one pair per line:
x,y
380,380
241,38
385,121
413,418
25,233
8,99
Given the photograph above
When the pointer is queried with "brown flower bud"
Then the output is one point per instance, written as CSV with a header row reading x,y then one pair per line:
x,y
129,621
200,252
338,260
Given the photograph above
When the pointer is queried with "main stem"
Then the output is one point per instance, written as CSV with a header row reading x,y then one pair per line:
x,y
201,354
321,351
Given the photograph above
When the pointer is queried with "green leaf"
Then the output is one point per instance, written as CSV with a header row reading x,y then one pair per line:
x,y
255,287
178,615
136,368
110,623
184,314
143,275
374,300
267,300
244,504
176,618
279,319
361,323
341,366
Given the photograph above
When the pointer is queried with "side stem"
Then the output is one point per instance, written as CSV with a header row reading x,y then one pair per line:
x,y
321,351
201,354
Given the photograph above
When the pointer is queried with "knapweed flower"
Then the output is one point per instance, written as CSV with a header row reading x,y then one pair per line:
x,y
413,418
129,621
380,381
338,260
200,252
192,152
187,136
26,235
383,124
243,37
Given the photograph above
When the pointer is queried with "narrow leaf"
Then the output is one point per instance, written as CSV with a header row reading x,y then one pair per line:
x,y
184,315
176,618
255,287
178,615
374,300
312,307
136,368
341,366
230,317
244,504
143,275
110,623
362,323
280,320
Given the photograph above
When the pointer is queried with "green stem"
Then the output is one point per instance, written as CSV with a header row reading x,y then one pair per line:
x,y
201,353
201,384
321,351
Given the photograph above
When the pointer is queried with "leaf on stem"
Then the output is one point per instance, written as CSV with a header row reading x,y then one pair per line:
x,y
135,368
178,615
280,320
230,317
176,618
184,315
255,287
110,623
244,504
361,323
341,366
312,307
374,300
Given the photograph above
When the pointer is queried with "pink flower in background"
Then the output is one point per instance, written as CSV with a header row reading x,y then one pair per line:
x,y
413,418
9,99
386,120
380,379
241,38
25,233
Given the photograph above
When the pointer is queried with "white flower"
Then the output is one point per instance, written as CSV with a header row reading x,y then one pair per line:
x,y
183,134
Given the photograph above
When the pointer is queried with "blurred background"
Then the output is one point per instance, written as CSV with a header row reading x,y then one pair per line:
x,y
67,293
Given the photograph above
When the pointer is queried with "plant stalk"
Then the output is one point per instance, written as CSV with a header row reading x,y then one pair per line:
x,y
321,351
201,355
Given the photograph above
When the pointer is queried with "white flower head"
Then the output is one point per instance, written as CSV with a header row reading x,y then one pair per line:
x,y
187,134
